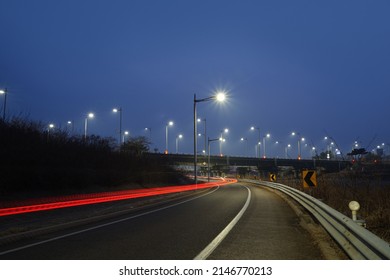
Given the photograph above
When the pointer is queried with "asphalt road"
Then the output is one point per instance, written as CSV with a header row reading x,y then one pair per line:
x,y
231,222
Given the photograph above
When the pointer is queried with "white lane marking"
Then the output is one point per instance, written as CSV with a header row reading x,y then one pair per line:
x,y
221,236
104,225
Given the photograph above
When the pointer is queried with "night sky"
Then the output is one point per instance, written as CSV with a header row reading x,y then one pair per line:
x,y
320,68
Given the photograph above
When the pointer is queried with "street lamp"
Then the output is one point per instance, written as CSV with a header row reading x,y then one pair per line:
x,y
286,150
204,133
246,145
116,110
126,133
220,97
226,130
299,143
257,149
180,136
258,139
150,133
208,161
265,136
4,91
89,116
170,123
70,123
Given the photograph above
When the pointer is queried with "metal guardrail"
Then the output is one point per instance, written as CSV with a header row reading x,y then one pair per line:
x,y
355,240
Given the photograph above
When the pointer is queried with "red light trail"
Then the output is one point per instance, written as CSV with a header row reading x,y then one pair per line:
x,y
86,199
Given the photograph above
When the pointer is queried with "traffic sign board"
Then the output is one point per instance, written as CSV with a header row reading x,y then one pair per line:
x,y
309,178
272,177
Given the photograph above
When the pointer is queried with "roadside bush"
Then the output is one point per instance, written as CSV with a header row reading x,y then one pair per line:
x,y
37,161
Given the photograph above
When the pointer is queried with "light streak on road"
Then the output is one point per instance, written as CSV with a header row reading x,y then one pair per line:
x,y
87,199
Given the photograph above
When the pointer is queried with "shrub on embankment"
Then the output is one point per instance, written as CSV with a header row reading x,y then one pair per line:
x,y
37,160
369,189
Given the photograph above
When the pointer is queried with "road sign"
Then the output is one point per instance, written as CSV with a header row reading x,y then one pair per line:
x,y
309,178
272,177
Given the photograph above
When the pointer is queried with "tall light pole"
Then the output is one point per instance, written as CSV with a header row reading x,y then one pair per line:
x,y
170,123
220,97
204,134
258,139
265,136
178,137
126,133
246,145
208,155
299,143
150,133
70,123
4,91
226,130
116,110
286,150
49,127
89,116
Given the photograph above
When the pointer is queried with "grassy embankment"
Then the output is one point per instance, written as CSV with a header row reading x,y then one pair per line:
x,y
37,162
370,187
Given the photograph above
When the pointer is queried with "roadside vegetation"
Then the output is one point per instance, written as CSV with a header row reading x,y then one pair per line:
x,y
370,186
37,161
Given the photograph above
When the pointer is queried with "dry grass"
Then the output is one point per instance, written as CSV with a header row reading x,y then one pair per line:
x,y
372,193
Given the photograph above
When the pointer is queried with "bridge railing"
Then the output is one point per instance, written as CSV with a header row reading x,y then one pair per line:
x,y
357,242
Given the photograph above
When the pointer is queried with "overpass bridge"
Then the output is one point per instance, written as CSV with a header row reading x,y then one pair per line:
x,y
262,164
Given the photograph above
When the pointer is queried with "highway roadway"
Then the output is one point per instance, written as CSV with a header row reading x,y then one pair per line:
x,y
229,222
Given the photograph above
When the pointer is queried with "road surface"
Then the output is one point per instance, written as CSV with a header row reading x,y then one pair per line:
x,y
229,222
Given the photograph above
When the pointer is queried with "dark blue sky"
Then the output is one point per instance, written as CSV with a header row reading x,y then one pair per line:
x,y
316,67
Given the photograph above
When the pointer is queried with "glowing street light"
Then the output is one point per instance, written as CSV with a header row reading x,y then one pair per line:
x,y
89,116
246,144
258,139
116,110
126,133
180,136
70,124
226,130
170,123
208,160
299,142
219,97
265,136
4,91
286,150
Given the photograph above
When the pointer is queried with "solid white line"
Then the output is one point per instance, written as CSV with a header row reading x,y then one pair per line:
x,y
221,236
103,225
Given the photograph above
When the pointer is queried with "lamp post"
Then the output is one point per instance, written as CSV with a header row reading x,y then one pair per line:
x,y
70,123
220,97
4,91
49,127
299,143
208,160
226,130
178,137
126,133
170,123
89,116
286,150
265,136
150,133
246,145
258,139
116,110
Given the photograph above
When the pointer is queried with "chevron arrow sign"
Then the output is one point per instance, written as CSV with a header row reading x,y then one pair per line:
x,y
309,178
